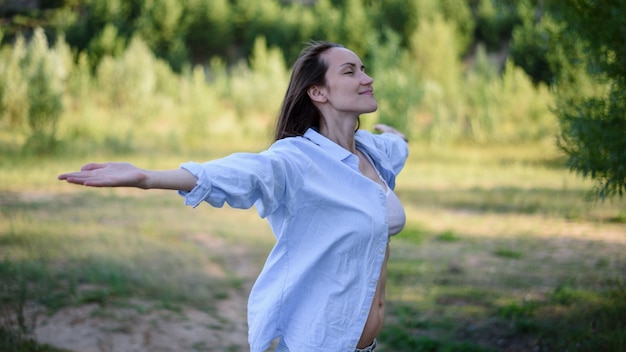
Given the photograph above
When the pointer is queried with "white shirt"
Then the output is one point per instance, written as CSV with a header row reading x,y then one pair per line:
x,y
330,223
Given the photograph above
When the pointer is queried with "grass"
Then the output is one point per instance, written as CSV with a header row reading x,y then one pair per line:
x,y
509,256
501,250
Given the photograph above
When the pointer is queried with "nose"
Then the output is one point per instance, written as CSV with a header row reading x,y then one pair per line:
x,y
366,79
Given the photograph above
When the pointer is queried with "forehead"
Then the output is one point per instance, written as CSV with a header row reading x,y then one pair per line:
x,y
338,57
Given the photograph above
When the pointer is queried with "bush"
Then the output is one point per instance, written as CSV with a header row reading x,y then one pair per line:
x,y
33,86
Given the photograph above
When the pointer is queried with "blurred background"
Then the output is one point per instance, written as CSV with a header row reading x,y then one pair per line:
x,y
507,104
167,73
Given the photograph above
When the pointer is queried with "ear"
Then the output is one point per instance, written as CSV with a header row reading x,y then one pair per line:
x,y
316,94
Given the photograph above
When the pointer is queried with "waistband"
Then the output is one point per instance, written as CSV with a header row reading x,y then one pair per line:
x,y
369,348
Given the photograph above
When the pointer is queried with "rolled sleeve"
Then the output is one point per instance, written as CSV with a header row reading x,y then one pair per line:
x,y
242,180
203,186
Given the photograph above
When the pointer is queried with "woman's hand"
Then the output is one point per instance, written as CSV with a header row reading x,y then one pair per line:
x,y
128,175
388,129
108,175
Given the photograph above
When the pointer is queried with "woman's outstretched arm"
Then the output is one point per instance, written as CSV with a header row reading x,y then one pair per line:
x,y
119,174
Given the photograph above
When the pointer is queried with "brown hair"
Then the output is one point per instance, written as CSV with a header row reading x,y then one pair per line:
x,y
297,113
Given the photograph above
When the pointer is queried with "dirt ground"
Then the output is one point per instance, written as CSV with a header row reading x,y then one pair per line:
x,y
91,328
137,326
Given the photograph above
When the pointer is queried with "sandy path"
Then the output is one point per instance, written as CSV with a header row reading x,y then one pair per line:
x,y
139,327
91,328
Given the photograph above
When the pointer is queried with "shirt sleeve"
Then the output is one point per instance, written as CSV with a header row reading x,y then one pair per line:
x,y
241,180
396,150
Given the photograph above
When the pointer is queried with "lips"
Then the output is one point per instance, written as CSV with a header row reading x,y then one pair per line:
x,y
367,92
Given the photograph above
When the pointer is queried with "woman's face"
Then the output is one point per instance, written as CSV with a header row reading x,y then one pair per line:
x,y
348,88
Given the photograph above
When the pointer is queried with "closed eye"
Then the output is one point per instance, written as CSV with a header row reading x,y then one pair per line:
x,y
351,68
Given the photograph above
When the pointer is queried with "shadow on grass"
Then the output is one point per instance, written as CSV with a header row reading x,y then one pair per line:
x,y
17,319
451,292
569,204
578,323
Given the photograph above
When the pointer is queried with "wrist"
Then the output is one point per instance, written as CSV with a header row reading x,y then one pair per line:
x,y
146,179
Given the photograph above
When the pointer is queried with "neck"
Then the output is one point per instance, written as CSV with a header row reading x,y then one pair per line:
x,y
340,132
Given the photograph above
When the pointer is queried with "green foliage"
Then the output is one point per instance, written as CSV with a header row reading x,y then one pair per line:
x,y
459,14
33,82
482,87
198,104
259,18
210,27
436,57
356,27
257,91
396,90
332,21
106,43
14,85
593,135
495,21
159,25
131,79
108,24
522,104
593,123
534,41
395,16
427,81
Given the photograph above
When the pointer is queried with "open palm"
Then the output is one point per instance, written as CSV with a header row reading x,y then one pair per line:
x,y
112,174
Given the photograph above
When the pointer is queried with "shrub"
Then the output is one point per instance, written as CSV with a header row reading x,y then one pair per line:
x,y
33,86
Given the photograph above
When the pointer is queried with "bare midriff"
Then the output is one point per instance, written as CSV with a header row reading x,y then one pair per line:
x,y
374,323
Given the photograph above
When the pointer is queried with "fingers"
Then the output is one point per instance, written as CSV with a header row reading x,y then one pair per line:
x,y
65,176
380,127
70,175
385,128
81,177
74,177
388,129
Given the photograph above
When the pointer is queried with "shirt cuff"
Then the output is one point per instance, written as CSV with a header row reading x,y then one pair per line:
x,y
203,185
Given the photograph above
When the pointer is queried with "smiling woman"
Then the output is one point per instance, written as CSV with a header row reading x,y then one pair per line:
x,y
326,189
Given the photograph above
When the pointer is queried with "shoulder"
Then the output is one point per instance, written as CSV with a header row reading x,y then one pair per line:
x,y
291,150
290,145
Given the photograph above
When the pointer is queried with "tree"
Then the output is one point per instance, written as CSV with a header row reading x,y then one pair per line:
x,y
32,82
593,125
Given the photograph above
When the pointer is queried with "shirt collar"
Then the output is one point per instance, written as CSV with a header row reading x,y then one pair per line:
x,y
333,149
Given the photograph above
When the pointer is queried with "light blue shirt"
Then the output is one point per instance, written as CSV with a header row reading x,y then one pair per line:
x,y
330,222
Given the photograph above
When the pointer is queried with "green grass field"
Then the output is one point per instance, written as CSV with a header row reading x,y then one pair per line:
x,y
501,252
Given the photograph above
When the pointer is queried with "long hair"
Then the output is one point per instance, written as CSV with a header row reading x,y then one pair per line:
x,y
297,113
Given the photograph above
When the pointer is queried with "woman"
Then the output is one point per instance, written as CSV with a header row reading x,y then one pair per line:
x,y
326,191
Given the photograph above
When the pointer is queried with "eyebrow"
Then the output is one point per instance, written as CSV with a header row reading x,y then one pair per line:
x,y
351,64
